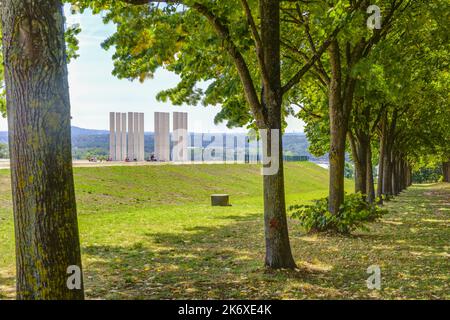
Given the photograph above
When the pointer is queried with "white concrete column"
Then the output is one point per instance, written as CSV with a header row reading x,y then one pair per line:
x,y
162,136
176,136
112,136
130,144
124,137
156,142
156,135
166,136
180,136
118,137
141,138
185,136
136,135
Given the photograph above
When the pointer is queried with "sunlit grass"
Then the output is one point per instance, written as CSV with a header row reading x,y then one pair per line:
x,y
150,233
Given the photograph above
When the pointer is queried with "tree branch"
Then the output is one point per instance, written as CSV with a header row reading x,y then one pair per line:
x,y
258,42
223,32
244,73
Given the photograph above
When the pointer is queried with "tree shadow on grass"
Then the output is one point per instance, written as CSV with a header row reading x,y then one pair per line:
x,y
7,286
223,262
226,262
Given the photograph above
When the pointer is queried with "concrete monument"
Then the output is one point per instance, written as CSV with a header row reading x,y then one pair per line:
x,y
124,146
162,136
180,137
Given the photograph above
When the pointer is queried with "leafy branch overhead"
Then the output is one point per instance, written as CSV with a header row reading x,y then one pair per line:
x,y
185,37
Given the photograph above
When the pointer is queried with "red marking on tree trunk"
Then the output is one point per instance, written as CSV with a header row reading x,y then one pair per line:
x,y
274,223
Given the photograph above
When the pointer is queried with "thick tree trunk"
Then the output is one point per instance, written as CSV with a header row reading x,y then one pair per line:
x,y
278,250
46,229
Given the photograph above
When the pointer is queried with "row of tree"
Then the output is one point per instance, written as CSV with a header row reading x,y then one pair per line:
x,y
358,88
4,154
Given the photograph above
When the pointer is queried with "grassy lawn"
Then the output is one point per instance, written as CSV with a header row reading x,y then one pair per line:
x,y
150,233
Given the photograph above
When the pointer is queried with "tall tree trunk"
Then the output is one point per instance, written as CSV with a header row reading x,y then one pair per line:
x,y
278,250
381,158
46,229
404,175
370,188
410,181
399,175
361,183
338,132
358,145
387,173
446,171
393,178
337,165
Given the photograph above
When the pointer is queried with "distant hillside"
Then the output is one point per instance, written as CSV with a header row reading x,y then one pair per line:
x,y
76,131
96,142
3,137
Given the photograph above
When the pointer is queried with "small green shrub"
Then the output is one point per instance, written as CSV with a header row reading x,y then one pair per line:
x,y
354,212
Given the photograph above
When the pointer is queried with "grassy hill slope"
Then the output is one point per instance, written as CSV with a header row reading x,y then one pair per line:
x,y
160,211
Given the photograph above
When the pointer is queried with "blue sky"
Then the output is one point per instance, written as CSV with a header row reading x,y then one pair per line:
x,y
95,92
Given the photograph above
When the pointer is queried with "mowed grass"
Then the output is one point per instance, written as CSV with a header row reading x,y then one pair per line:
x,y
150,233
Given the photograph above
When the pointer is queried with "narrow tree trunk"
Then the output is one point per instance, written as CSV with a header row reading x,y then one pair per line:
x,y
410,176
337,165
394,175
361,183
401,176
446,171
278,250
370,188
387,174
338,132
381,169
381,159
359,154
45,218
404,175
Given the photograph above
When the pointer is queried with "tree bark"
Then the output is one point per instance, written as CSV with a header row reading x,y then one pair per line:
x,y
381,158
278,250
446,171
338,132
46,229
358,144
370,188
387,173
389,163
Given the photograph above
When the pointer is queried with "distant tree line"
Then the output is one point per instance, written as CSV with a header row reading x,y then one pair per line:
x,y
4,153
